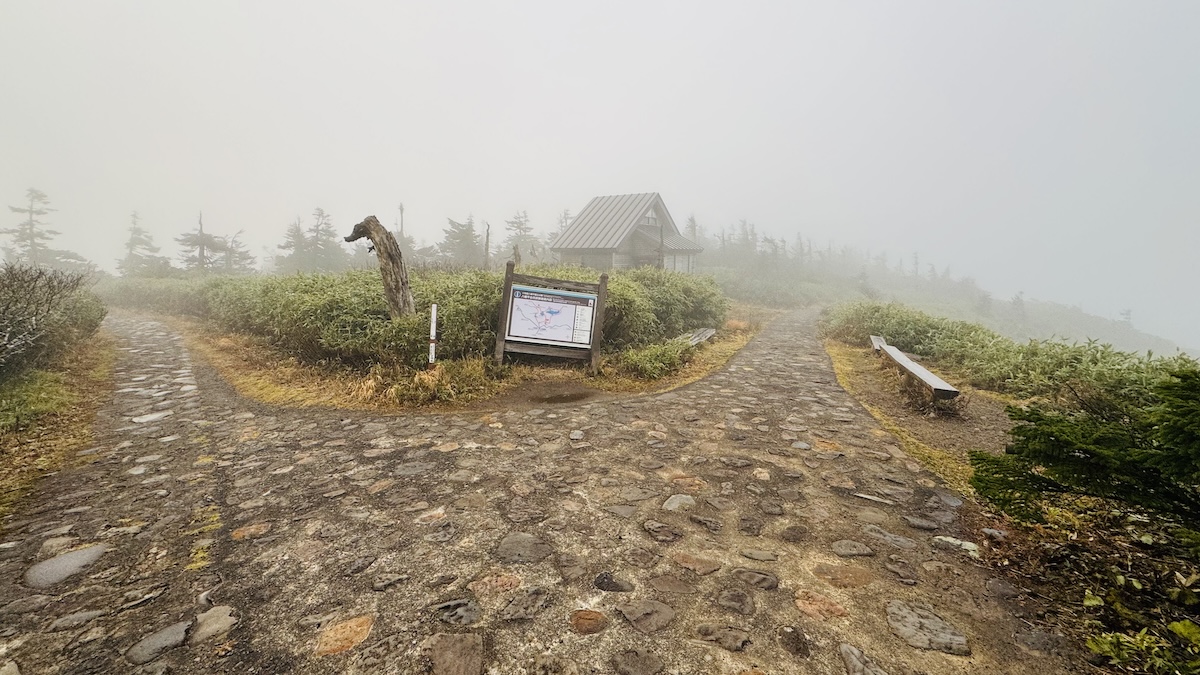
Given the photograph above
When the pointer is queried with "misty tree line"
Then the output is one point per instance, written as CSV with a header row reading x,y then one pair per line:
x,y
30,244
741,246
469,244
312,246
756,267
315,246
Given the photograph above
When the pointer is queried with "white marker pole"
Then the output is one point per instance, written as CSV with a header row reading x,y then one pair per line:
x,y
432,334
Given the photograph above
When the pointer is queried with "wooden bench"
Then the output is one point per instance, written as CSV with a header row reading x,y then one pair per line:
x,y
697,336
877,343
938,388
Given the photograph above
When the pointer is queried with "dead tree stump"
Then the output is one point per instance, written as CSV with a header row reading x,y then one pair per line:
x,y
391,266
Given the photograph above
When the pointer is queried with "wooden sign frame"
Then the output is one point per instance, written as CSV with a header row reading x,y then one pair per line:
x,y
591,353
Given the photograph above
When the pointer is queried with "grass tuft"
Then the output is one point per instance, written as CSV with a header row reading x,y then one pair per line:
x,y
48,415
31,396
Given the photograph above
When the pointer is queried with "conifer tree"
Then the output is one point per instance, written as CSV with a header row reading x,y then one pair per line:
x,y
327,252
199,248
232,256
461,243
520,234
299,254
29,238
561,225
140,259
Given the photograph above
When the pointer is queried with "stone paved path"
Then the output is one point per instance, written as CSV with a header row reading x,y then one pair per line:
x,y
757,519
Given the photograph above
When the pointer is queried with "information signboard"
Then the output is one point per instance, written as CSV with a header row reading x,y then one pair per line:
x,y
550,316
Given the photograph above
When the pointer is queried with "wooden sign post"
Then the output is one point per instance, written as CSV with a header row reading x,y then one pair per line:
x,y
551,317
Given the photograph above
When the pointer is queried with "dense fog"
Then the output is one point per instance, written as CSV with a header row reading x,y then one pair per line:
x,y
1044,148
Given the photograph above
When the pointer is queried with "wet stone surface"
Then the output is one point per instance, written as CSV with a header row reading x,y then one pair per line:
x,y
848,548
920,627
62,566
694,531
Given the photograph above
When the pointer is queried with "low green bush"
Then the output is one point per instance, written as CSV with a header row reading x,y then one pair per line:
x,y
680,302
1053,369
327,318
656,360
188,297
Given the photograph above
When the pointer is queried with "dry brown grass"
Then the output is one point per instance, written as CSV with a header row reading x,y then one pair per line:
x,y
855,368
49,442
261,374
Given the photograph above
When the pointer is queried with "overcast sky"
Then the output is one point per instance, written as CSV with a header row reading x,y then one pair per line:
x,y
1049,147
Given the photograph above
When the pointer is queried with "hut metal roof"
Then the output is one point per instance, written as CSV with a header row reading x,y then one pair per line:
x,y
606,221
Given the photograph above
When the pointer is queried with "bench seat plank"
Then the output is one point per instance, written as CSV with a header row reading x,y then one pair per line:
x,y
877,343
941,388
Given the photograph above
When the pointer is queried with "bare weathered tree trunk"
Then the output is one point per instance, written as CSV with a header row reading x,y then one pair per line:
x,y
391,266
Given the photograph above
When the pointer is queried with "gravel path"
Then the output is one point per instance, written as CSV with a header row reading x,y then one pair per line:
x,y
755,521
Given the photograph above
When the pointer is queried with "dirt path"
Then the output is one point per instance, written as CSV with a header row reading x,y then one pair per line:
x,y
757,519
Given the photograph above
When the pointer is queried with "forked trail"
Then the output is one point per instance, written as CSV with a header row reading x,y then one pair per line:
x,y
756,519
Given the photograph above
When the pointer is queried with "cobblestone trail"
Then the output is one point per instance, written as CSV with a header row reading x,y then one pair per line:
x,y
755,521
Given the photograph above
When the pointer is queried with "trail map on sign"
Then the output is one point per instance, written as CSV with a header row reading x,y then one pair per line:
x,y
551,317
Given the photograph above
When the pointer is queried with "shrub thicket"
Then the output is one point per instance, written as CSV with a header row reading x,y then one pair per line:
x,y
1102,422
1056,370
1110,438
189,297
343,318
43,312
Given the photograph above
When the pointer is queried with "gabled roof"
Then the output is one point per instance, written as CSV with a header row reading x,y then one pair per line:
x,y
671,242
606,221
